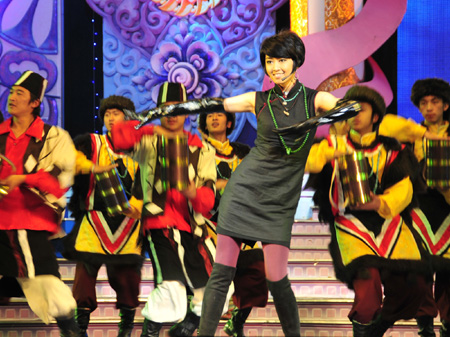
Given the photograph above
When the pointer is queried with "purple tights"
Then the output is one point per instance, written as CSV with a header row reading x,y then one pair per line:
x,y
275,256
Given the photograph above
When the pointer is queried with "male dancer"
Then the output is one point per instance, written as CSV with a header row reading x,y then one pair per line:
x,y
98,236
432,97
41,169
250,278
181,252
372,245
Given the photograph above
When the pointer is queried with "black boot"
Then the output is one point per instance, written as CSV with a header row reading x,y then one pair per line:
x,y
186,327
68,327
126,322
286,306
150,328
425,324
361,330
82,316
214,298
445,329
235,325
379,327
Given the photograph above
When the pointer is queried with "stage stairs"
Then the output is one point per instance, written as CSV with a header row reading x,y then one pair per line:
x,y
323,301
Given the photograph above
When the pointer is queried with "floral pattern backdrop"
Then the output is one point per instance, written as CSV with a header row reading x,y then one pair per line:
x,y
210,46
30,39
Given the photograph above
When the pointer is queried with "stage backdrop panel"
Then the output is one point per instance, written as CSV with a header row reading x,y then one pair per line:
x,y
212,48
30,39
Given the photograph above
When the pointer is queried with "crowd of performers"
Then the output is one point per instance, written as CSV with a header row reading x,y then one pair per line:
x,y
225,233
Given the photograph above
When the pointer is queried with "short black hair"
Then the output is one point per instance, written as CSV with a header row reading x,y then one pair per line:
x,y
285,44
115,102
230,118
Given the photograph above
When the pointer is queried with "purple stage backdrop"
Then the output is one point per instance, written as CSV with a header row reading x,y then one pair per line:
x,y
30,39
213,50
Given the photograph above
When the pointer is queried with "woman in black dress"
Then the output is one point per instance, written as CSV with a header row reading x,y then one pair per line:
x,y
261,198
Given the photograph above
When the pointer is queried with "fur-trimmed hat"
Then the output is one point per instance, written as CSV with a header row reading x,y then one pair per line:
x,y
115,102
171,92
368,95
33,82
430,86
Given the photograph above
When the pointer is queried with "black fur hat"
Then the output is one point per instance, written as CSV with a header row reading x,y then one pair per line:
x,y
365,94
430,86
115,102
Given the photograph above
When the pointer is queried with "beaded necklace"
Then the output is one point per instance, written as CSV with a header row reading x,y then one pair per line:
x,y
287,148
285,101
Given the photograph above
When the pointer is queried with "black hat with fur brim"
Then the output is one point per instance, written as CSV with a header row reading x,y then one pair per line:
x,y
430,87
365,94
115,102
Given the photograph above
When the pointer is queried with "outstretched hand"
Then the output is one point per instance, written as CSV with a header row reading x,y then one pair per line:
x,y
191,107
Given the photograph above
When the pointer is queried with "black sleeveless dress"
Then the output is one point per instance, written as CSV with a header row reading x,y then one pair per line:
x,y
261,198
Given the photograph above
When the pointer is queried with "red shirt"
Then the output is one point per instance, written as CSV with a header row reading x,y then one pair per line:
x,y
21,208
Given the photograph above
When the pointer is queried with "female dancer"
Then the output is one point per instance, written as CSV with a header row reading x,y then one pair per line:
x,y
261,198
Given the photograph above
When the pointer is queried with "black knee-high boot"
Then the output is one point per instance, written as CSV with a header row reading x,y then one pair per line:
x,y
286,306
425,324
214,298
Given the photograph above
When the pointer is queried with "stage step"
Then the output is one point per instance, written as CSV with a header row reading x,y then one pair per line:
x,y
323,301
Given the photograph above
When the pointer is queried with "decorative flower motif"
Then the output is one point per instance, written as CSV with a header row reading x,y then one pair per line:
x,y
146,42
184,60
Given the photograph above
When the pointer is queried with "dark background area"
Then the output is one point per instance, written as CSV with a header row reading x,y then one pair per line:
x,y
81,81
